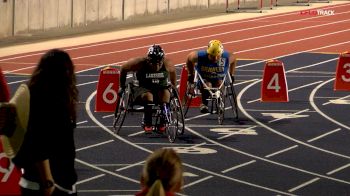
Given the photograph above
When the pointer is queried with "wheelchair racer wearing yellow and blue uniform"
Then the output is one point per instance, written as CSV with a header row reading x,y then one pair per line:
x,y
212,64
153,73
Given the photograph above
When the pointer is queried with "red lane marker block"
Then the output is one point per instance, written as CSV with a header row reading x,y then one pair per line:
x,y
9,174
342,76
107,90
4,90
196,101
274,84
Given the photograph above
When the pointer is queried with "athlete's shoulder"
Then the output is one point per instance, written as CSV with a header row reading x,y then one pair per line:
x,y
169,66
202,53
226,53
135,63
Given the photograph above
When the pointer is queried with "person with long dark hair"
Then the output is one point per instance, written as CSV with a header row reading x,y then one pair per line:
x,y
47,153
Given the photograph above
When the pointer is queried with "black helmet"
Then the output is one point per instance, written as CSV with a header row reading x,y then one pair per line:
x,y
155,53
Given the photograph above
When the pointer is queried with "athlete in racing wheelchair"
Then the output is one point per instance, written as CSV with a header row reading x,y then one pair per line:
x,y
211,71
150,88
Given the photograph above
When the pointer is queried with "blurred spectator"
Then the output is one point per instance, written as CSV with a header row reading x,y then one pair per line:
x,y
162,174
4,91
47,153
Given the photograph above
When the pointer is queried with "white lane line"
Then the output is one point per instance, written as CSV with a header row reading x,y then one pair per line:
x,y
283,43
169,144
92,117
304,86
321,97
271,110
324,135
293,41
299,68
235,41
295,53
267,160
208,27
244,82
110,126
92,82
82,122
312,102
338,169
291,90
90,179
95,145
107,171
281,151
136,133
131,165
237,132
342,98
16,82
317,179
238,166
244,112
255,100
15,70
181,31
287,116
198,181
110,165
108,191
303,184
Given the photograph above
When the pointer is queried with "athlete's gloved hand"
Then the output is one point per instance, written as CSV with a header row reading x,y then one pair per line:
x,y
190,78
233,78
121,91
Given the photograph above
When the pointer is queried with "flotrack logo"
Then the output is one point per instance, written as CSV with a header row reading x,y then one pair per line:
x,y
318,12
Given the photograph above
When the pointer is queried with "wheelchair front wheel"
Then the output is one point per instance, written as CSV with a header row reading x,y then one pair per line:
x,y
230,92
220,110
120,111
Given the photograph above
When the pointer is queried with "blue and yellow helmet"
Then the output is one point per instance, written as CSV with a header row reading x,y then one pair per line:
x,y
215,48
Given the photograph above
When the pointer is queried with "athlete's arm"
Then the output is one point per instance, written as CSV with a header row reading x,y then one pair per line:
x,y
172,72
191,61
233,63
47,181
132,64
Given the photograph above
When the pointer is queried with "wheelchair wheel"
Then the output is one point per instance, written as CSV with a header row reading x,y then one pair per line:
x,y
220,105
176,109
171,128
187,99
121,109
231,94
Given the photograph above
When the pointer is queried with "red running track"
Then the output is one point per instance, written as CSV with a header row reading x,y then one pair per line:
x,y
258,38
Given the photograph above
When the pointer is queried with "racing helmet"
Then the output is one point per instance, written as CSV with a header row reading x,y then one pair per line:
x,y
155,53
215,48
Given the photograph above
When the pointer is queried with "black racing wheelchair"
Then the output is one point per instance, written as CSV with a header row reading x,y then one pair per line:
x,y
172,113
219,97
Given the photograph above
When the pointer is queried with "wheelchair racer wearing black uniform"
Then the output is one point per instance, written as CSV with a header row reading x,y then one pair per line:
x,y
212,64
153,73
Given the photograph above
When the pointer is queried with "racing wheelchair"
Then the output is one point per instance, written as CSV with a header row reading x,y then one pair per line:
x,y
172,113
217,96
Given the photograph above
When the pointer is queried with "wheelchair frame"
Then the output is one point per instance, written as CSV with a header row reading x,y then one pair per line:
x,y
217,96
173,113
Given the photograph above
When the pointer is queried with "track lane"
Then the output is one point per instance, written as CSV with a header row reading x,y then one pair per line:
x,y
116,53
240,175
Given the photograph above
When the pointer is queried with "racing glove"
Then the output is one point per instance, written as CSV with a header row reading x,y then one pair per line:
x,y
121,91
190,78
